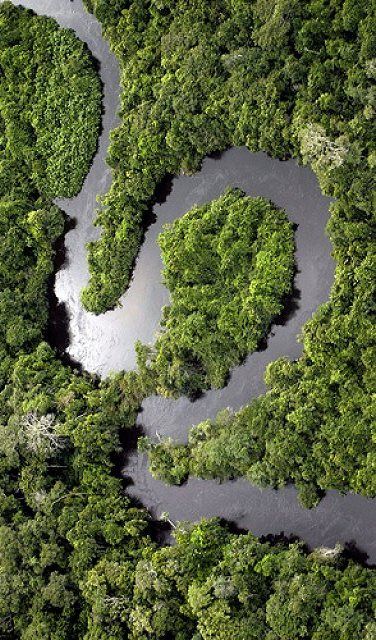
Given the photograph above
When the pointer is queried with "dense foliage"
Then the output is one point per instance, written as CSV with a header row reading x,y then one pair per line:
x,y
61,510
228,265
50,100
76,558
213,585
287,77
63,515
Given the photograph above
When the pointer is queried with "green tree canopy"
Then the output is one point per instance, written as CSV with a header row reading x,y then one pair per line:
x,y
228,265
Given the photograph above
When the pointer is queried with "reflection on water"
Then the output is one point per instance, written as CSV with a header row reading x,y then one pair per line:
x,y
106,343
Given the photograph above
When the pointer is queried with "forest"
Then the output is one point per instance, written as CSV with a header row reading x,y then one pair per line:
x,y
50,97
79,560
292,79
228,266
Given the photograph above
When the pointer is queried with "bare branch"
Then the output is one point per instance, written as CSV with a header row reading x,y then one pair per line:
x,y
40,433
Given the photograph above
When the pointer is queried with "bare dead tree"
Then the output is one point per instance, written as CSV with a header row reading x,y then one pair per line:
x,y
317,147
40,433
165,517
329,553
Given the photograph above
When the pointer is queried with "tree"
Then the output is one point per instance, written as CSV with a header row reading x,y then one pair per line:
x,y
41,433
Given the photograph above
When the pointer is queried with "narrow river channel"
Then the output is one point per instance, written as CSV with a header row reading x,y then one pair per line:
x,y
106,343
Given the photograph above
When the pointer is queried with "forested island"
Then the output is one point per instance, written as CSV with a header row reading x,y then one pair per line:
x,y
78,558
228,267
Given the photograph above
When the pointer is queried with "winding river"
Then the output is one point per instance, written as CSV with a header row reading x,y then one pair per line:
x,y
106,343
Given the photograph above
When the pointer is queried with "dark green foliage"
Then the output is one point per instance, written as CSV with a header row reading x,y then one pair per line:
x,y
63,514
50,113
76,561
228,265
288,78
308,428
167,460
47,81
214,585
27,231
191,85
61,511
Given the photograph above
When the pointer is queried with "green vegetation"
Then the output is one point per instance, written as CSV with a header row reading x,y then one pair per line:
x,y
28,230
50,99
61,509
65,524
228,265
76,558
213,585
289,78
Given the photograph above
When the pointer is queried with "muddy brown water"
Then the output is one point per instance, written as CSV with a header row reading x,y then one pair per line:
x,y
106,343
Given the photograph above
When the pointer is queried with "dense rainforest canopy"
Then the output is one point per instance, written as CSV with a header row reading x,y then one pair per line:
x,y
290,78
77,559
50,97
228,267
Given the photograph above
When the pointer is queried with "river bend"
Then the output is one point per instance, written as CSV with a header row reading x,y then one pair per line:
x,y
106,343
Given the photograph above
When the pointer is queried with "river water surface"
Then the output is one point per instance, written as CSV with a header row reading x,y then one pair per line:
x,y
106,343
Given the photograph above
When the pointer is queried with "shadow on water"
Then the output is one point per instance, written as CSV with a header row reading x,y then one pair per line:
x,y
159,530
149,217
290,303
290,306
128,439
351,551
105,343
163,190
160,196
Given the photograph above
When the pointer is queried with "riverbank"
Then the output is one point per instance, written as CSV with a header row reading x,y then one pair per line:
x,y
336,518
